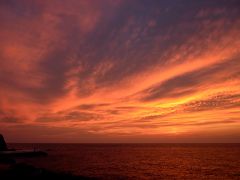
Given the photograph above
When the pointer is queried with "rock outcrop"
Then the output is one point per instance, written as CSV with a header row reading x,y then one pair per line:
x,y
3,145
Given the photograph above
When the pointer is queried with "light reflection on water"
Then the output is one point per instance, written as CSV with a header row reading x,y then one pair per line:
x,y
141,161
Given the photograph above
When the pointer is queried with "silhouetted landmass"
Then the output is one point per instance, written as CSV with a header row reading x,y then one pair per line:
x,y
6,153
26,171
3,145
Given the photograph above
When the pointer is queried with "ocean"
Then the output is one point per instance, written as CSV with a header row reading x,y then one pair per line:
x,y
140,161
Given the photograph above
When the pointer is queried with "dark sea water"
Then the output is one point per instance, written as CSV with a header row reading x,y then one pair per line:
x,y
141,161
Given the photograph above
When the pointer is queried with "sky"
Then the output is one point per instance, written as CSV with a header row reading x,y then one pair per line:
x,y
144,71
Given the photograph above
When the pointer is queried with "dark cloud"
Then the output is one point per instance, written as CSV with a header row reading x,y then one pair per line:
x,y
91,106
128,107
55,67
154,117
81,116
10,116
77,116
9,119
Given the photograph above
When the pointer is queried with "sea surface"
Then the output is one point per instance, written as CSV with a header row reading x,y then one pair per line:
x,y
140,161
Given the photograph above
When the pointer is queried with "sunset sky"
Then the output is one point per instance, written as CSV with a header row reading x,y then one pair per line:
x,y
120,70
